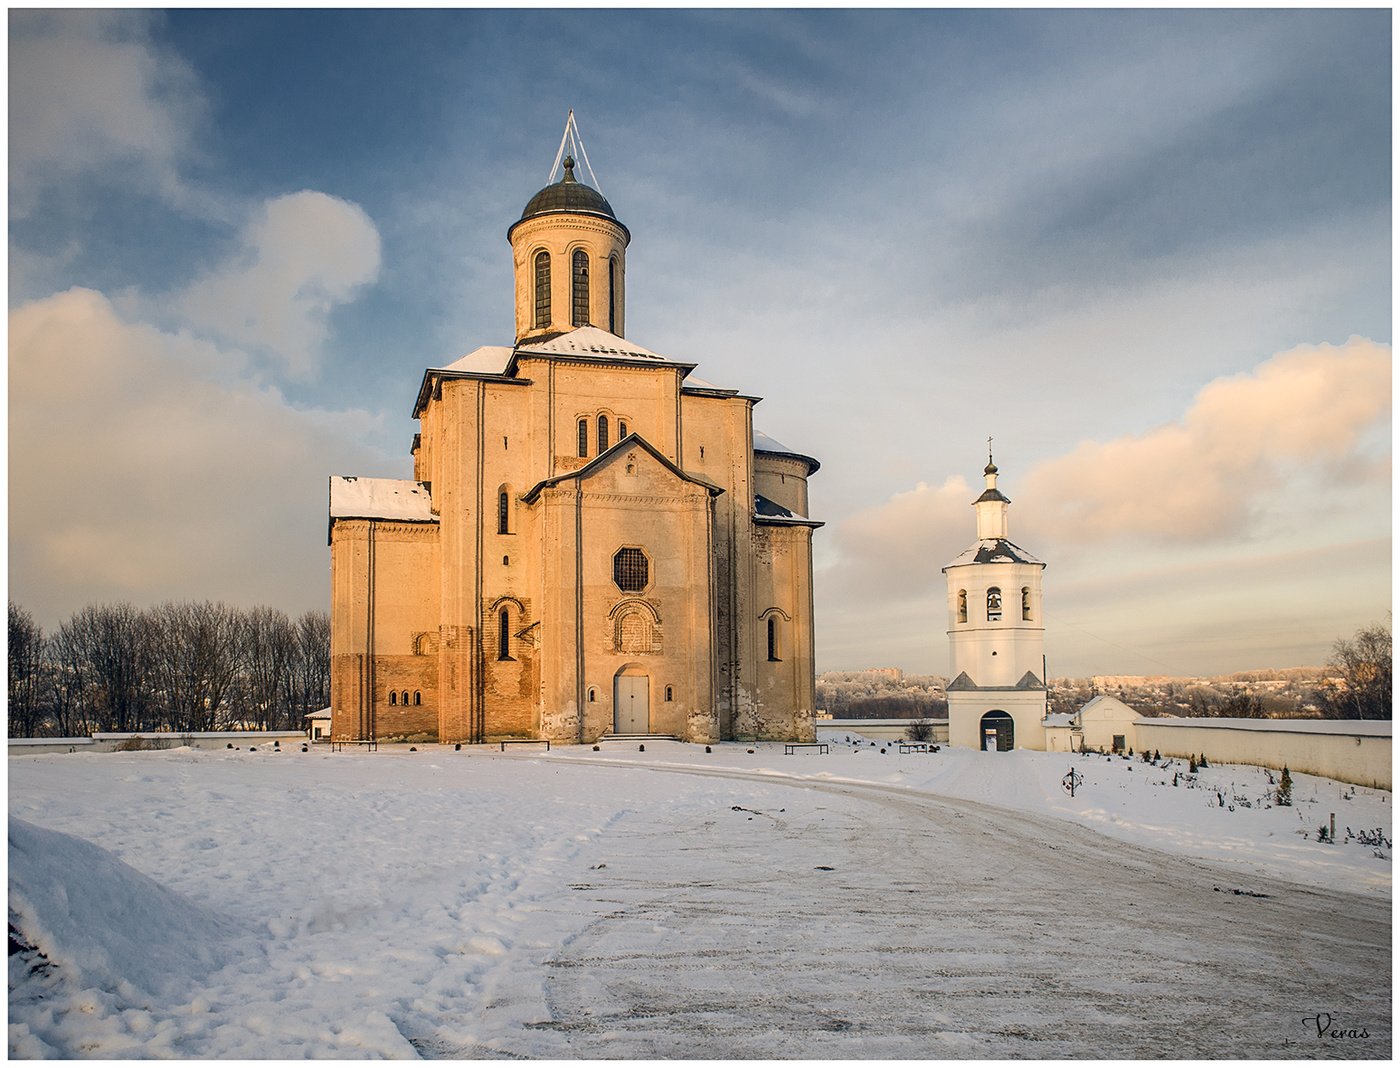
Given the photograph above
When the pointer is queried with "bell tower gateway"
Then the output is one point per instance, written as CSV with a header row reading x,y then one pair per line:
x,y
996,636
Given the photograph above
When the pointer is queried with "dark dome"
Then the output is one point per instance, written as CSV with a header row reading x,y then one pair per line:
x,y
568,196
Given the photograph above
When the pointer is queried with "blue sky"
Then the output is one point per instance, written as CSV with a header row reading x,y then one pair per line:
x,y
1147,252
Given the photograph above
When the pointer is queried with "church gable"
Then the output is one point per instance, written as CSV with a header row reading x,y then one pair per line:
x,y
632,467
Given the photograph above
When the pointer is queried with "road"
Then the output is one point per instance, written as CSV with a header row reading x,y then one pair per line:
x,y
805,926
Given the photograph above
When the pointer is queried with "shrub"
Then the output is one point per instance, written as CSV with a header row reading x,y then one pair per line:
x,y
134,744
921,730
1283,796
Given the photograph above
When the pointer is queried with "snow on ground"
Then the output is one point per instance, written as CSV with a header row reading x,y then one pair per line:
x,y
678,903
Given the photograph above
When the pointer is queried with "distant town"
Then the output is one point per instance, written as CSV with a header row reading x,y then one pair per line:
x,y
890,693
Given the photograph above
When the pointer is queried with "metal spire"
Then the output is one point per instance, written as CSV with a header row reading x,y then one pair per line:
x,y
572,139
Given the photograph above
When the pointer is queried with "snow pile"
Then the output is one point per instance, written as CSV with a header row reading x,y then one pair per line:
x,y
103,921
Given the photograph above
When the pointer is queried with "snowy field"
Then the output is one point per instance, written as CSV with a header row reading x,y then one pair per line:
x,y
674,903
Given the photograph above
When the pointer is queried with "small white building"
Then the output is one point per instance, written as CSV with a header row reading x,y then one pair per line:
x,y
1104,723
997,699
318,725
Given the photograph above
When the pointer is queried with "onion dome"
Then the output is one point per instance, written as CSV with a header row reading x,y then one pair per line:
x,y
568,196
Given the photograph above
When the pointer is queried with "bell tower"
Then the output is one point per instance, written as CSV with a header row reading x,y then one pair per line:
x,y
996,635
570,255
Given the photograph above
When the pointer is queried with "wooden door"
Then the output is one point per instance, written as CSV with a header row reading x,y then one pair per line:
x,y
631,705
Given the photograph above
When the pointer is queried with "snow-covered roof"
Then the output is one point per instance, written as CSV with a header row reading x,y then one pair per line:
x,y
1105,707
1365,728
380,498
994,551
1058,719
487,360
592,341
763,443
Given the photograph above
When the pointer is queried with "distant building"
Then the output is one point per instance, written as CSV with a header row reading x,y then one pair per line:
x,y
997,699
594,540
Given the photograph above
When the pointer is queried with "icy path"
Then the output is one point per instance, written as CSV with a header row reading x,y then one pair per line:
x,y
476,905
970,932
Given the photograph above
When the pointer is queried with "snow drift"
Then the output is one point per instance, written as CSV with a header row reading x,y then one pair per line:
x,y
102,923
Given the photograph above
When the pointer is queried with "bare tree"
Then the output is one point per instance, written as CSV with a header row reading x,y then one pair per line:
x,y
313,666
195,655
26,661
1364,661
269,649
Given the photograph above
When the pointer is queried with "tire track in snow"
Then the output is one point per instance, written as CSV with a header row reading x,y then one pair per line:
x,y
1026,937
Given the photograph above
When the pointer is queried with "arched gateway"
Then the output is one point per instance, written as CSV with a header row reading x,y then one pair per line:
x,y
998,731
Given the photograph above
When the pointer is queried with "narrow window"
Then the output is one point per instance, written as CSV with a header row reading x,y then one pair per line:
x,y
505,561
612,298
668,689
505,635
592,694
602,434
1025,602
583,437
962,606
994,603
621,430
773,649
405,699
417,697
503,514
541,290
393,697
580,288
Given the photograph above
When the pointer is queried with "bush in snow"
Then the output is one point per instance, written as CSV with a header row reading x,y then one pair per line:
x,y
921,730
1193,764
1283,796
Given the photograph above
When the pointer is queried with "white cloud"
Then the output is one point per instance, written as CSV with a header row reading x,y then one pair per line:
x,y
133,474
1205,476
303,254
89,91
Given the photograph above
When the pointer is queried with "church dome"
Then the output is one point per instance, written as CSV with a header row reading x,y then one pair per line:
x,y
568,196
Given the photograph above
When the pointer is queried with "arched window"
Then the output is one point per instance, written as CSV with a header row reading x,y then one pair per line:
x,y
580,287
612,296
602,434
504,653
774,651
583,437
417,697
405,699
994,603
668,689
962,606
592,694
541,289
1025,602
393,697
621,430
503,513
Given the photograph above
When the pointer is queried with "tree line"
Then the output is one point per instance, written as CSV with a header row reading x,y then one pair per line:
x,y
179,667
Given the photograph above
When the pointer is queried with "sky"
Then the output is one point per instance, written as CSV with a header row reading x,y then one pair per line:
x,y
1147,253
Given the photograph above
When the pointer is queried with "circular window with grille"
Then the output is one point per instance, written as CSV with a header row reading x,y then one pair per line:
x,y
630,570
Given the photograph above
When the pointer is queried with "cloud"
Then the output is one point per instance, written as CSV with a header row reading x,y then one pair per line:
x,y
303,254
135,474
1206,475
90,92
898,549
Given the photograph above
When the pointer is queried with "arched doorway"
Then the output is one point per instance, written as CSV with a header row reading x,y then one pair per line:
x,y
998,731
631,701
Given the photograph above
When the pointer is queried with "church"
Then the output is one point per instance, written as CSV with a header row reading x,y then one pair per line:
x,y
996,636
594,542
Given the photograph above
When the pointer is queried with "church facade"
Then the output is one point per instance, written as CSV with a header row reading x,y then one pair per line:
x,y
996,634
594,540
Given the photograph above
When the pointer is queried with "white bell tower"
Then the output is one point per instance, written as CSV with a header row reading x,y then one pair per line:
x,y
996,636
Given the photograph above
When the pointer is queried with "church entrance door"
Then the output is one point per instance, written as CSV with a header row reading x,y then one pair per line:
x,y
998,732
631,706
